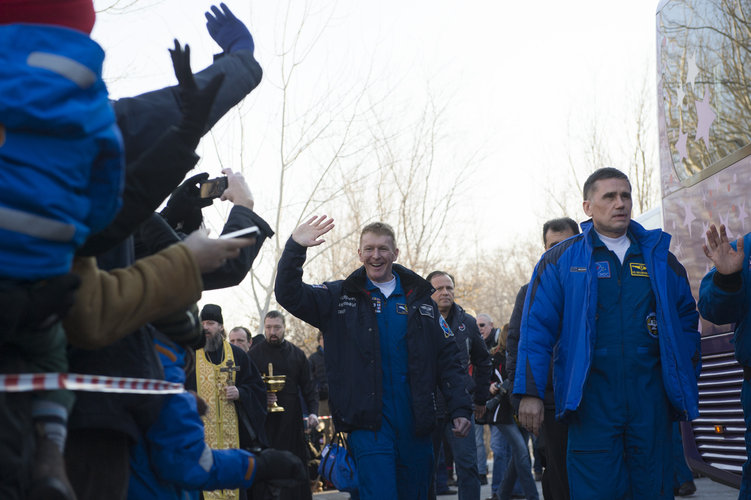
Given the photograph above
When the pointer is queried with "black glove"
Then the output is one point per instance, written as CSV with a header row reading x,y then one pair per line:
x,y
279,467
507,387
183,210
195,104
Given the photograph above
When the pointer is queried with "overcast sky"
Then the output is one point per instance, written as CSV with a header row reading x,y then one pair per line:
x,y
521,81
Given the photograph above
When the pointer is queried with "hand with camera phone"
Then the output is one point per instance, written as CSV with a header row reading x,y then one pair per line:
x,y
237,190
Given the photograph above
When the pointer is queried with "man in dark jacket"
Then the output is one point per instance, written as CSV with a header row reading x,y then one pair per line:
x,y
387,348
476,359
285,429
554,433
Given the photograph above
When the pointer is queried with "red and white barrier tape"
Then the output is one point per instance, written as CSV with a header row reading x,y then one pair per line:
x,y
26,382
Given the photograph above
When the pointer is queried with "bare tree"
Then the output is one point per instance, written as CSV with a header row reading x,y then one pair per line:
x,y
489,281
592,148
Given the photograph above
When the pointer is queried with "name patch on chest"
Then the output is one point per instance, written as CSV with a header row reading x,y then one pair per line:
x,y
426,310
638,269
401,309
377,305
603,269
344,302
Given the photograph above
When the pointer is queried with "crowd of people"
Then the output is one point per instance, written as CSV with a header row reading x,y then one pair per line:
x,y
597,363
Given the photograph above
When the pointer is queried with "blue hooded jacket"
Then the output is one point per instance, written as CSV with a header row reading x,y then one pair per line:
x,y
559,312
62,160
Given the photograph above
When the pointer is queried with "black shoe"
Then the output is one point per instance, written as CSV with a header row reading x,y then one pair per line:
x,y
686,489
446,492
483,479
493,497
50,482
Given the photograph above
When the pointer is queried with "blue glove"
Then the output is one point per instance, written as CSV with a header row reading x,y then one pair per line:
x,y
227,30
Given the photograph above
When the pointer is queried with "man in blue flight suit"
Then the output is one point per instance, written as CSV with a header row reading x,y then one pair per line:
x,y
616,308
724,298
387,349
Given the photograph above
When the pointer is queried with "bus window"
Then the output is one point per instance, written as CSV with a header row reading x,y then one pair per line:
x,y
705,53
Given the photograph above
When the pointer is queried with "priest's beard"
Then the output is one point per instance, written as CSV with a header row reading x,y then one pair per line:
x,y
213,342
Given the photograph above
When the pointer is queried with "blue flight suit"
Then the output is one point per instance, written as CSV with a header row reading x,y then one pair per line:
x,y
726,299
618,446
394,447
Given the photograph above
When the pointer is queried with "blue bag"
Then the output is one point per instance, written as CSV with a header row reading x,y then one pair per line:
x,y
338,466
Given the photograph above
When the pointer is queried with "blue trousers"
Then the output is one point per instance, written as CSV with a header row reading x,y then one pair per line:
x,y
520,465
619,439
681,472
482,453
501,458
465,463
391,466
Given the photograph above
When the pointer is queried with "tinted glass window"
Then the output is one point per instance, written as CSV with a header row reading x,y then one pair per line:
x,y
705,63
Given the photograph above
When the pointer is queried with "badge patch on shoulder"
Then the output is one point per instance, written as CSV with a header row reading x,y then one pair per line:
x,y
401,309
377,304
638,269
445,327
462,327
652,324
603,269
426,310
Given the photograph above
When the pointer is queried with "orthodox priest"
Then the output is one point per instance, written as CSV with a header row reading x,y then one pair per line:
x,y
286,429
234,391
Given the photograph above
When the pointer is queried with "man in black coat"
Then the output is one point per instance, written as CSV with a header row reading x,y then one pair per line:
x,y
554,433
387,348
472,353
285,428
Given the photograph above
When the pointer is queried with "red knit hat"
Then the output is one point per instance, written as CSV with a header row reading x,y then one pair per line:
x,y
76,14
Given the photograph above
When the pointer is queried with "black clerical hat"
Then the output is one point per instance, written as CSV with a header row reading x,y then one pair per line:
x,y
212,312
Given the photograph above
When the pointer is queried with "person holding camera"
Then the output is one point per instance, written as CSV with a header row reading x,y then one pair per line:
x,y
499,407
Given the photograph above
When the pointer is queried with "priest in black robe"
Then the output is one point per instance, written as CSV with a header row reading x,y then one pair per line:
x,y
286,430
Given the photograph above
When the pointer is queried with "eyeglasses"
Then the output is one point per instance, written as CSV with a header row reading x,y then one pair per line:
x,y
481,325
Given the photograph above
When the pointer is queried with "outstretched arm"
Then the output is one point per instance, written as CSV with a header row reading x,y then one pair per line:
x,y
722,292
309,303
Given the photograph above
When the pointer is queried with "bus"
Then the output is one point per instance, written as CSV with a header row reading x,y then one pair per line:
x,y
704,124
